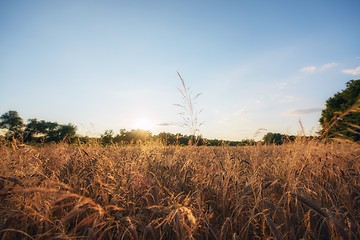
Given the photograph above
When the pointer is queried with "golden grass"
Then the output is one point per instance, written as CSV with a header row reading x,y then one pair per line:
x,y
305,189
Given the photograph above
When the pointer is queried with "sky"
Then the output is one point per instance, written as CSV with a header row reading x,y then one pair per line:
x,y
261,66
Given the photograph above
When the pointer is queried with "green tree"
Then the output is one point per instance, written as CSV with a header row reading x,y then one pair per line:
x,y
12,123
107,137
43,131
341,117
67,132
273,138
31,130
139,135
166,138
246,142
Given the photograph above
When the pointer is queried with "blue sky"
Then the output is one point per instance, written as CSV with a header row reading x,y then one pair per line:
x,y
112,64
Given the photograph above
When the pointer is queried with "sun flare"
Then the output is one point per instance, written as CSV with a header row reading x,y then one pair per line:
x,y
144,124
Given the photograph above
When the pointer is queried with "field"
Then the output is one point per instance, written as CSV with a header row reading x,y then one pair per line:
x,y
305,189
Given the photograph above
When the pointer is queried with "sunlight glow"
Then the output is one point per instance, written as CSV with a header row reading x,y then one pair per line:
x,y
144,124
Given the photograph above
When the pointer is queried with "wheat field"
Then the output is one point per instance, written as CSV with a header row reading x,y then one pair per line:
x,y
301,190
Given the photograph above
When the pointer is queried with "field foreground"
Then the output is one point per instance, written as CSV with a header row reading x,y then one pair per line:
x,y
300,190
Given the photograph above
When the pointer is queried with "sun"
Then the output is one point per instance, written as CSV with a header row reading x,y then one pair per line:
x,y
144,124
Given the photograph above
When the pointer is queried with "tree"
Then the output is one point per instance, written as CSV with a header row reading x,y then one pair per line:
x,y
139,135
13,123
66,132
57,133
31,130
166,138
341,117
107,137
273,138
246,142
42,131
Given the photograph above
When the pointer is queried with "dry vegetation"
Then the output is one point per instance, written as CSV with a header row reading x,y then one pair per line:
x,y
307,190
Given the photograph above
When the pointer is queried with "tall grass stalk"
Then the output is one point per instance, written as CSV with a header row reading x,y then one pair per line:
x,y
189,113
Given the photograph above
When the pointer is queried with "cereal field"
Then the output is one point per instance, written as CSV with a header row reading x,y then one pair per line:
x,y
305,189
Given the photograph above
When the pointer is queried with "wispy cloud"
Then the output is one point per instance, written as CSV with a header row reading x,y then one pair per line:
x,y
282,98
282,85
313,69
309,69
241,112
304,111
166,124
328,66
354,71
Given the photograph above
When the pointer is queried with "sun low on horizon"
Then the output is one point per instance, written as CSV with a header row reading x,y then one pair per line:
x,y
144,123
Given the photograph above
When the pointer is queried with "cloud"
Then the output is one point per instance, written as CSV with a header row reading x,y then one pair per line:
x,y
241,112
282,85
328,66
355,71
309,69
313,69
304,111
166,124
282,98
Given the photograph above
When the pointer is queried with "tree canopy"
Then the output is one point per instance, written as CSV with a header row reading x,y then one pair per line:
x,y
35,130
43,131
12,123
277,138
341,117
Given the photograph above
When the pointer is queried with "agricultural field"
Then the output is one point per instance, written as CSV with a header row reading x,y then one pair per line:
x,y
300,190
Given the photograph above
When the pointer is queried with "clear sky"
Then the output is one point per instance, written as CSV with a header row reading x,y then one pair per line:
x,y
112,64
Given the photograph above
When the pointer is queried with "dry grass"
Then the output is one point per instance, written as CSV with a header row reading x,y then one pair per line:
x,y
300,190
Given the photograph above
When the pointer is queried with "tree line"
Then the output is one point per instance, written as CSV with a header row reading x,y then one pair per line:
x,y
41,131
340,119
